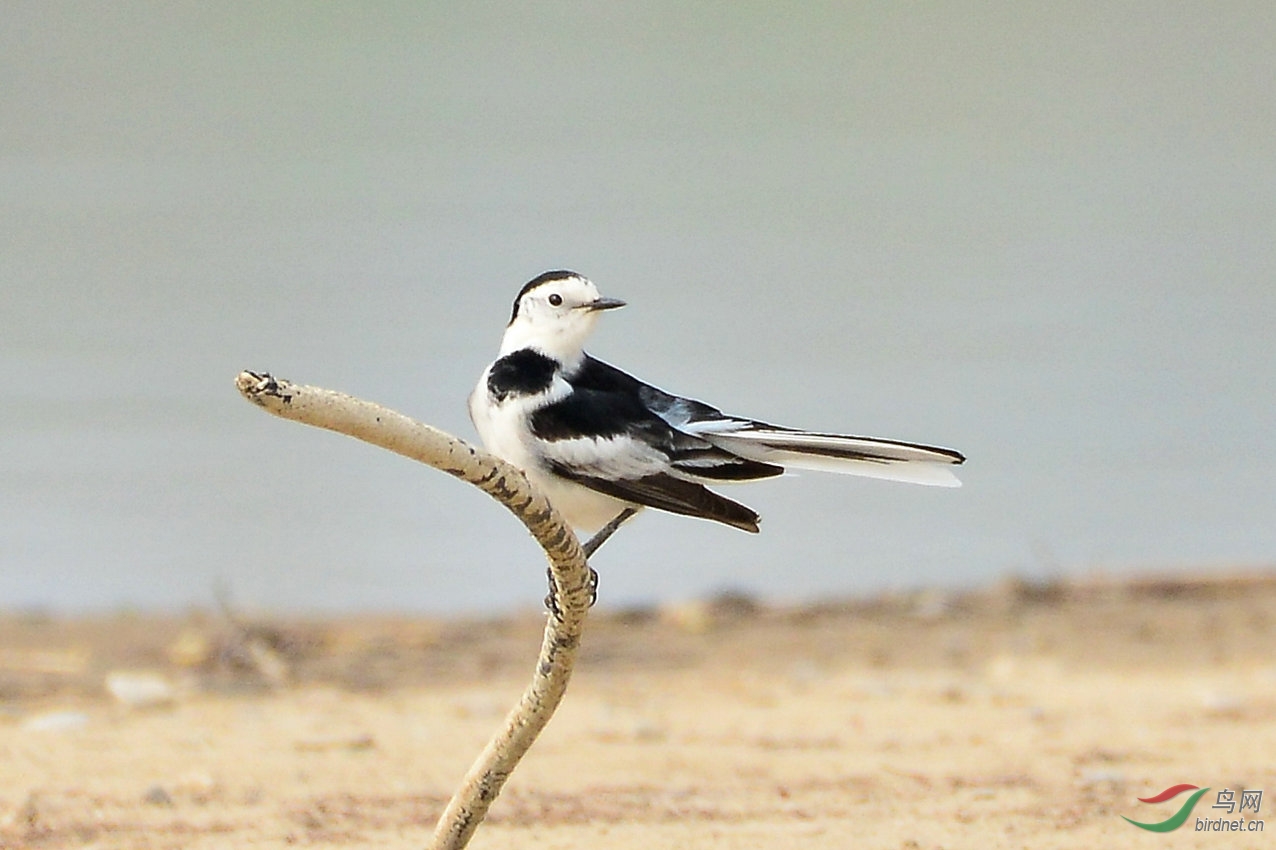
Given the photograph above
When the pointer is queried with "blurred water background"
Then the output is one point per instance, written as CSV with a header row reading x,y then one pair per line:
x,y
1044,234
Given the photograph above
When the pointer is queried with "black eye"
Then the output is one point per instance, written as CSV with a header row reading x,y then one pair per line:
x,y
555,299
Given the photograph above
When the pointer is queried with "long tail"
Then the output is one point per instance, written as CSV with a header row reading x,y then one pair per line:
x,y
866,456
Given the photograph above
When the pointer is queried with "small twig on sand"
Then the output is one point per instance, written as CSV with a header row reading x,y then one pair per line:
x,y
383,427
253,644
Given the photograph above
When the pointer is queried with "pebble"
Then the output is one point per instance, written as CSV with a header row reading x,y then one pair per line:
x,y
157,796
56,721
139,689
1102,777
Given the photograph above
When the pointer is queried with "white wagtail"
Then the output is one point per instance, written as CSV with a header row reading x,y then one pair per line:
x,y
601,444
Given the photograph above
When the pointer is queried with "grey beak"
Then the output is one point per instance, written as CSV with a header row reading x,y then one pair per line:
x,y
605,304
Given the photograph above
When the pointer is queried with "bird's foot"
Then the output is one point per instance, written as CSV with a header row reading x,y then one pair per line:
x,y
590,547
551,598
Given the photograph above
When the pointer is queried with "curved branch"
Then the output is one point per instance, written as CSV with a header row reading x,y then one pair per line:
x,y
383,427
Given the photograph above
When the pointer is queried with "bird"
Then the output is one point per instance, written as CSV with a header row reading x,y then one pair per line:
x,y
602,444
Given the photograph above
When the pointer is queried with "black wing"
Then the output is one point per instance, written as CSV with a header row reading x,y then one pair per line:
x,y
633,439
605,435
676,495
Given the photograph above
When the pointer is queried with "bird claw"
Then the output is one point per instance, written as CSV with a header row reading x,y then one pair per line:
x,y
590,547
551,598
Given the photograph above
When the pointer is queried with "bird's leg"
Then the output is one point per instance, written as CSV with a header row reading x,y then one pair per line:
x,y
590,547
592,544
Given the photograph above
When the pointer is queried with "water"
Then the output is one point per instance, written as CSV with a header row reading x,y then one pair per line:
x,y
1044,241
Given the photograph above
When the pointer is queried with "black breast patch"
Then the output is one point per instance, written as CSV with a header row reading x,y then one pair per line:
x,y
523,372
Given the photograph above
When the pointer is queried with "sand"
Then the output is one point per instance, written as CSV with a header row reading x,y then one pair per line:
x,y
1019,716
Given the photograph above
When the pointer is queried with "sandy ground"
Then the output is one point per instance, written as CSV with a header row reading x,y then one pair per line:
x,y
1020,716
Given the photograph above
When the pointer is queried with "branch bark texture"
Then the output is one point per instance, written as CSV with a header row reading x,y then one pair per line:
x,y
383,427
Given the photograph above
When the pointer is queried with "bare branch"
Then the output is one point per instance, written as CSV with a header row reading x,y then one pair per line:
x,y
383,427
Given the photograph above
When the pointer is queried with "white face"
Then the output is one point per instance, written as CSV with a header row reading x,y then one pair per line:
x,y
556,315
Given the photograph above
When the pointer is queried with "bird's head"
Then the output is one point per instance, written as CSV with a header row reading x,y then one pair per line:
x,y
554,314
